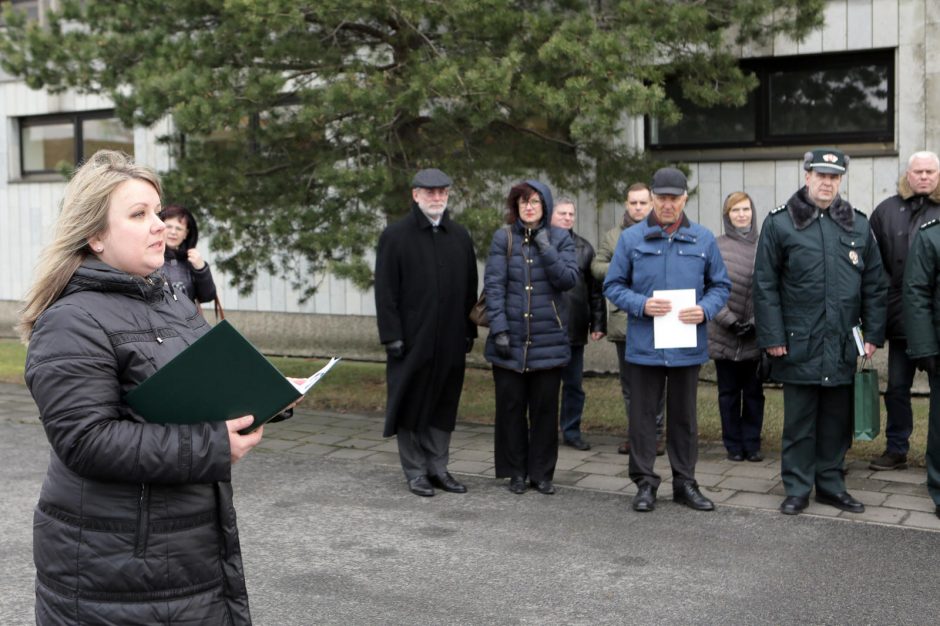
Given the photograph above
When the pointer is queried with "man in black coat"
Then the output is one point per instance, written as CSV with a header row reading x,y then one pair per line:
x,y
425,286
894,223
587,312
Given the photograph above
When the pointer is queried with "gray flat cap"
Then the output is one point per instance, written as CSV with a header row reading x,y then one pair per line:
x,y
430,179
669,181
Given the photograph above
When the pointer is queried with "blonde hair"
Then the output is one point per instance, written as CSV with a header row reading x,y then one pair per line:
x,y
733,198
84,214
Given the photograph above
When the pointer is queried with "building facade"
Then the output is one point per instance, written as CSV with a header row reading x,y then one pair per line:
x,y
886,48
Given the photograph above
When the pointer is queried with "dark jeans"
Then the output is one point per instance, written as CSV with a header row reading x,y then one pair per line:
x,y
526,429
624,368
572,394
682,433
900,421
741,402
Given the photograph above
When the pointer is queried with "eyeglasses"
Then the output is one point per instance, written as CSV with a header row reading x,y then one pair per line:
x,y
533,202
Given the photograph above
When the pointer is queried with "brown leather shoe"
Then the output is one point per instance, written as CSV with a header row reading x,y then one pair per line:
x,y
624,447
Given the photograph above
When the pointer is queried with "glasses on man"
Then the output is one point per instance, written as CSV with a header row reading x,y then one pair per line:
x,y
533,202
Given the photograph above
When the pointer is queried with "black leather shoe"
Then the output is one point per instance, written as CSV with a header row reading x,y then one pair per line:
x,y
689,495
645,499
517,484
578,443
543,486
735,456
792,505
447,482
841,501
755,457
421,486
624,447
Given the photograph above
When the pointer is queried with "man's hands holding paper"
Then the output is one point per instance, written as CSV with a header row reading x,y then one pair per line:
x,y
657,307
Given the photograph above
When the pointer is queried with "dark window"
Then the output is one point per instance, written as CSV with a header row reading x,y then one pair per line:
x,y
51,142
830,98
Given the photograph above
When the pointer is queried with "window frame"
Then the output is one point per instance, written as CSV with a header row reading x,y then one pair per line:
x,y
77,119
763,67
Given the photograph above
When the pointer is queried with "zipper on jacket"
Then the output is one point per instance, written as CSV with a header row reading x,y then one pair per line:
x,y
143,521
557,318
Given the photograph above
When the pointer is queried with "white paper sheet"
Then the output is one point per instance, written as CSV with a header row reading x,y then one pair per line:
x,y
313,380
668,331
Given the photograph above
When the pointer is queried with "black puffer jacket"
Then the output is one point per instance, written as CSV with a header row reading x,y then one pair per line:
x,y
524,292
585,301
135,522
198,285
895,222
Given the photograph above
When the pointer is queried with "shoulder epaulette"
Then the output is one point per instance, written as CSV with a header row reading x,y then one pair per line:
x,y
782,207
932,222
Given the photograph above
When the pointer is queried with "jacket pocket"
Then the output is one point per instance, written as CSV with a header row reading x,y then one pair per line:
x,y
557,317
851,251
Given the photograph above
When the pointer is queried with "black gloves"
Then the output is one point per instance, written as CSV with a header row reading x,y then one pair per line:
x,y
395,349
501,341
469,341
742,329
927,364
541,239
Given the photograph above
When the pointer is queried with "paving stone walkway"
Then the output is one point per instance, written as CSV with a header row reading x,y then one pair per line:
x,y
897,498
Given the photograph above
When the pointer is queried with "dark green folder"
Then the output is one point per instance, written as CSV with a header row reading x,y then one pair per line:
x,y
219,377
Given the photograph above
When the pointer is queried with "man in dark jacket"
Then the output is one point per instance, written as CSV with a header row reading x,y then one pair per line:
x,y
921,307
817,275
586,313
666,253
894,222
425,286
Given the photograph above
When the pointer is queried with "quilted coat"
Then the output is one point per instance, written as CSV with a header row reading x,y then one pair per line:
x,y
524,294
135,522
737,251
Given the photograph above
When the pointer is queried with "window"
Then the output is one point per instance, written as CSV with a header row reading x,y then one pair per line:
x,y
829,98
50,142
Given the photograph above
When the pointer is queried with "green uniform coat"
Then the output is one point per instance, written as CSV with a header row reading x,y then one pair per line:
x,y
817,274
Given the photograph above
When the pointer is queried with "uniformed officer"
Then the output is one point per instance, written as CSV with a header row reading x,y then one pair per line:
x,y
922,324
817,274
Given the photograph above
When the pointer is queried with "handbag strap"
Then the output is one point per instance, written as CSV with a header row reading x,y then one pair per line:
x,y
865,359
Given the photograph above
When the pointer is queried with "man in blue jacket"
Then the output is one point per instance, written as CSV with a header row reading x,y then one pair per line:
x,y
666,251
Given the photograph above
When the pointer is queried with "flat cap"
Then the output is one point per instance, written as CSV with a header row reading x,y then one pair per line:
x,y
431,178
826,161
669,181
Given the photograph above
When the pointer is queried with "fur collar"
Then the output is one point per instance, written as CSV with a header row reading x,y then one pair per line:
x,y
906,193
803,212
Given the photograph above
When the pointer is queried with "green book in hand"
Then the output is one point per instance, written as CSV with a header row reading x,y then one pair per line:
x,y
219,377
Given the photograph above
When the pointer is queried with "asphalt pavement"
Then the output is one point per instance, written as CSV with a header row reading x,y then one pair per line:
x,y
329,539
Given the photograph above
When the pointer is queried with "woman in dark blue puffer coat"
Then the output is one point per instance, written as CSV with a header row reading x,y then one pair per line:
x,y
529,266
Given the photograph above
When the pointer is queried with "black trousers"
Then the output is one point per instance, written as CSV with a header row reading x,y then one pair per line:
x,y
681,422
741,402
526,422
624,369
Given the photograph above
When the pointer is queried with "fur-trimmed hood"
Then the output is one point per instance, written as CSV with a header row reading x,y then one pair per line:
x,y
905,191
803,211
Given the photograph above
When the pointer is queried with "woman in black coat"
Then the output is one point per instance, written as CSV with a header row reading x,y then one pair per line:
x,y
530,266
185,269
135,522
